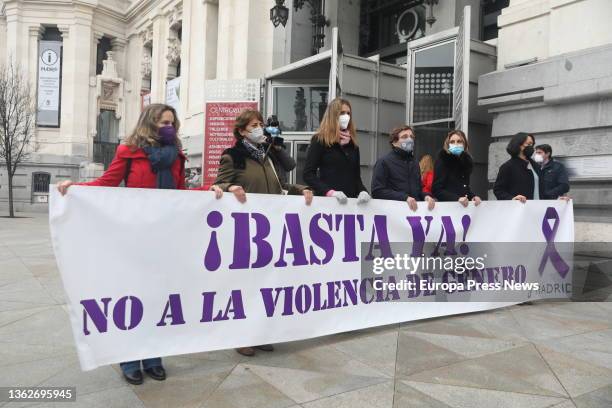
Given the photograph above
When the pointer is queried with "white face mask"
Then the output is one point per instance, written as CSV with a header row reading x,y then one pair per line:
x,y
344,121
538,158
256,136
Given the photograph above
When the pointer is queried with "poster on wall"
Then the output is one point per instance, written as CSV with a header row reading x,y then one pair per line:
x,y
218,133
49,83
173,93
145,99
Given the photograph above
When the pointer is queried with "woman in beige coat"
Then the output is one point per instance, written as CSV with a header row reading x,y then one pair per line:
x,y
248,167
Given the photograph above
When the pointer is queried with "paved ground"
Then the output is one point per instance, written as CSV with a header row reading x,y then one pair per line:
x,y
542,355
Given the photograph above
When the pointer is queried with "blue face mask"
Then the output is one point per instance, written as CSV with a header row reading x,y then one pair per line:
x,y
407,145
455,149
272,130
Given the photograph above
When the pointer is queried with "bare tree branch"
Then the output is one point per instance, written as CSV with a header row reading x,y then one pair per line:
x,y
17,115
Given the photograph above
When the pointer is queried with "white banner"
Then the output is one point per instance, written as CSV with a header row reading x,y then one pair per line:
x,y
152,273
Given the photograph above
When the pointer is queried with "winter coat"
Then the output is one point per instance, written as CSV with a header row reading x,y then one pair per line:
x,y
333,167
237,167
397,176
133,164
556,181
427,181
515,178
452,176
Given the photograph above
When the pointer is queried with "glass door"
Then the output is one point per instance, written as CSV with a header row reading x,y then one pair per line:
x,y
299,108
438,85
297,148
432,92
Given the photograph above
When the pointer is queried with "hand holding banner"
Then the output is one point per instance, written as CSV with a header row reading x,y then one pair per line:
x,y
161,272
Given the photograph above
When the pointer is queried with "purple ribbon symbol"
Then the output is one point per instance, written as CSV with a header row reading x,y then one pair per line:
x,y
551,252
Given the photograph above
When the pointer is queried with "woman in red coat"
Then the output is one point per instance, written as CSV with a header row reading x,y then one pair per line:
x,y
427,174
150,157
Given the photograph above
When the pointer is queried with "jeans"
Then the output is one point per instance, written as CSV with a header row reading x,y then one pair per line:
x,y
130,366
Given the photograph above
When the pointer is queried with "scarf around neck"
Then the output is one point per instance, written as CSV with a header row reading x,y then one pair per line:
x,y
161,159
256,152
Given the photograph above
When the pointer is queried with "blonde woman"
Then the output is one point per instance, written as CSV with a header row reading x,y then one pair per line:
x,y
150,157
332,162
426,165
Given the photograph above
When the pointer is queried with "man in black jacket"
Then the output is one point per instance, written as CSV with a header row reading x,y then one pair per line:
x,y
556,181
397,175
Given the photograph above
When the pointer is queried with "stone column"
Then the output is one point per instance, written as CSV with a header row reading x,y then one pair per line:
x,y
76,83
35,34
2,37
119,45
233,39
245,39
96,36
14,50
159,64
133,75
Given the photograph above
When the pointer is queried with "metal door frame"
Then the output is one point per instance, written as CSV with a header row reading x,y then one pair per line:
x,y
424,43
271,85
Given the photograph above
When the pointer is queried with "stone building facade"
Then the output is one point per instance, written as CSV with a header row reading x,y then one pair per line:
x,y
554,79
551,77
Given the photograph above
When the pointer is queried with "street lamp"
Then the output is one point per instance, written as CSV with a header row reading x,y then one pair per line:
x,y
279,14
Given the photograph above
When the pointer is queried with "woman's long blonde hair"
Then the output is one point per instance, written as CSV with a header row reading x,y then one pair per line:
x,y
145,132
426,164
327,133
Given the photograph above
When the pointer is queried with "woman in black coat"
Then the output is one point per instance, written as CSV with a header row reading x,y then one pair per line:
x,y
452,171
519,178
332,166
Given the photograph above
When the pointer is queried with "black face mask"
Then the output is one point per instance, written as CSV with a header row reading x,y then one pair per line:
x,y
528,151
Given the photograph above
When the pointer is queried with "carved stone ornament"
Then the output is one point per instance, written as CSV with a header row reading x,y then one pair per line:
x,y
147,36
175,16
174,51
145,65
108,94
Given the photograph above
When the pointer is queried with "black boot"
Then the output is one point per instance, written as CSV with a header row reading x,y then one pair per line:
x,y
135,377
156,373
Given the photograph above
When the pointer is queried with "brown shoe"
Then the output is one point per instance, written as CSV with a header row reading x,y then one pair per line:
x,y
246,351
265,347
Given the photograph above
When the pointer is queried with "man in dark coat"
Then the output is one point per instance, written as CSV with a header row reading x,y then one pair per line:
x,y
397,175
556,181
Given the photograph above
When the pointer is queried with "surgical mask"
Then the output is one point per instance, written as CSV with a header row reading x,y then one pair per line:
x,y
538,158
344,120
256,136
167,135
455,148
528,151
406,145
